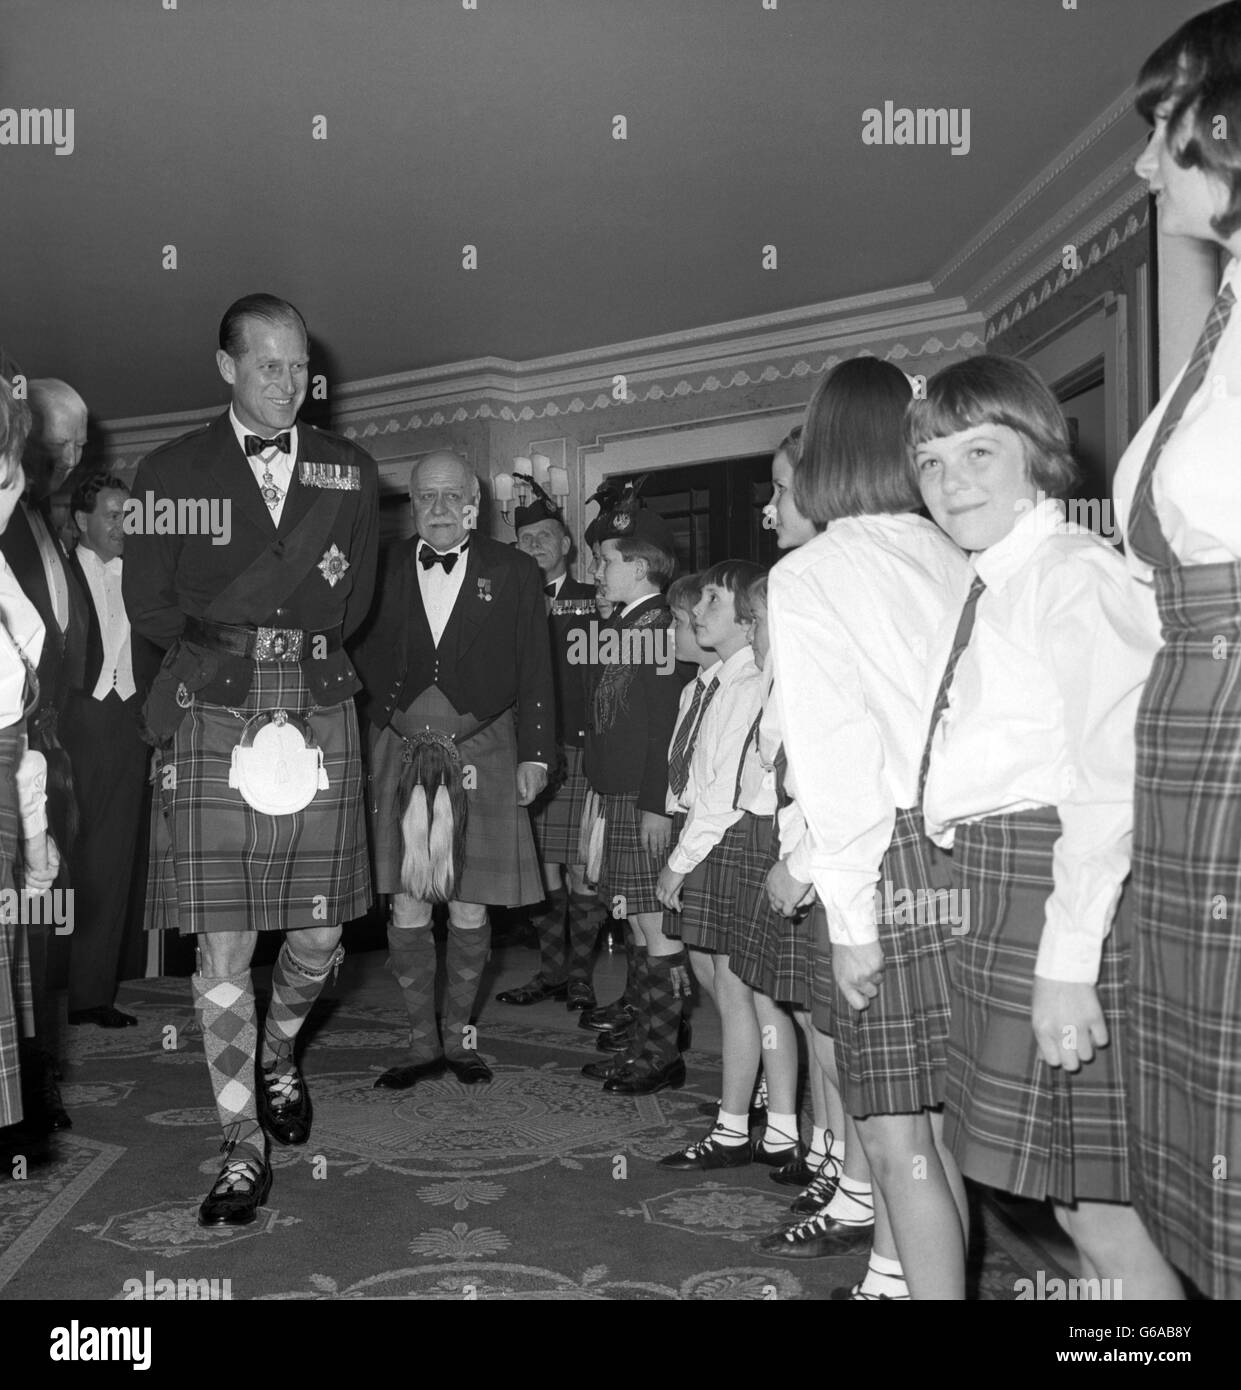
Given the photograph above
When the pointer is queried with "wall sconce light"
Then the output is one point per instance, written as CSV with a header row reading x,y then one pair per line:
x,y
529,476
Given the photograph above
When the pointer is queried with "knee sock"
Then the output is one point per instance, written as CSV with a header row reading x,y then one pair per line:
x,y
663,1006
884,1277
585,915
853,1204
411,954
225,1008
467,957
294,988
635,971
549,926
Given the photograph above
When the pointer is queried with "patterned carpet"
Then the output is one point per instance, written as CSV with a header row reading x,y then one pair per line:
x,y
539,1186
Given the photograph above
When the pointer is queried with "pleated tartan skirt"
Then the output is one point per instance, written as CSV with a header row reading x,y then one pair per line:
x,y
217,864
1185,987
629,875
1010,1120
893,1055
708,895
557,815
15,996
770,953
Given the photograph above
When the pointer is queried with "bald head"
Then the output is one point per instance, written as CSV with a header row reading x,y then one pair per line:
x,y
57,435
443,491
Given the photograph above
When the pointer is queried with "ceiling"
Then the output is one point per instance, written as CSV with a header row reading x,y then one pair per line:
x,y
493,127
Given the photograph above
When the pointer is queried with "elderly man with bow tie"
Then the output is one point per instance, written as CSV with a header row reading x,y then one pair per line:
x,y
460,692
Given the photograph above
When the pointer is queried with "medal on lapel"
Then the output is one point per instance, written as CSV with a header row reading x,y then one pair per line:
x,y
333,565
484,590
340,477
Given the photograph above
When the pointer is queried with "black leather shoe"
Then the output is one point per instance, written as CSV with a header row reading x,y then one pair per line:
x,y
105,1016
238,1193
820,1190
633,1082
403,1077
284,1107
470,1071
42,1105
814,1237
533,992
606,1070
795,1173
604,1019
707,1154
616,1041
580,996
780,1159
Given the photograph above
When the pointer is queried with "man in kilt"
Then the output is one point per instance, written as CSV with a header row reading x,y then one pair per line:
x,y
252,616
458,674
557,815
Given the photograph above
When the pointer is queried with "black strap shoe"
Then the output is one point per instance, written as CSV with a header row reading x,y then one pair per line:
x,y
470,1071
642,1079
607,1017
237,1194
580,996
409,1074
106,1016
707,1154
816,1236
820,1190
533,992
284,1105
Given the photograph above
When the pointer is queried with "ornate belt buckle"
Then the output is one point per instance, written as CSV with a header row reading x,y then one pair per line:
x,y
279,644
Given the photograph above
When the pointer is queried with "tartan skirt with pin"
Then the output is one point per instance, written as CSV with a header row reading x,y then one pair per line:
x,y
628,871
501,864
557,815
217,864
708,895
768,952
1010,1120
1185,989
15,993
893,1055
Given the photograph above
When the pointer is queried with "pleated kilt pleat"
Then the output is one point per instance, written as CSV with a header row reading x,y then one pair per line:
x,y
708,895
1185,987
770,953
217,864
557,815
1010,1120
14,967
892,1055
629,872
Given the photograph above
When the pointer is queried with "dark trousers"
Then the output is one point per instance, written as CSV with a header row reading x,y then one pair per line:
x,y
109,762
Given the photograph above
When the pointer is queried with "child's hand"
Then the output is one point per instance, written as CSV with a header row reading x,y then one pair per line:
x,y
858,971
1068,1022
668,889
654,832
786,893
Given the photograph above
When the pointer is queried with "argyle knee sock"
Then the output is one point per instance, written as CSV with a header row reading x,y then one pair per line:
x,y
550,928
294,988
640,1029
585,914
635,970
225,1008
467,957
663,1007
411,955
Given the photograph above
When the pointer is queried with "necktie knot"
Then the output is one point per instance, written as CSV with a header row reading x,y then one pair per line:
x,y
428,558
256,445
686,736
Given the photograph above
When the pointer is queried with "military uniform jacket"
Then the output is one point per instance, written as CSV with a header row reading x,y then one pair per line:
x,y
169,577
572,613
493,655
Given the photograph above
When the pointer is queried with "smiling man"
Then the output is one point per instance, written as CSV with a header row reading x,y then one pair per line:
x,y
258,822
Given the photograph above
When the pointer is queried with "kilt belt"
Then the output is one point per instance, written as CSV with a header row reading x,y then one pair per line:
x,y
260,643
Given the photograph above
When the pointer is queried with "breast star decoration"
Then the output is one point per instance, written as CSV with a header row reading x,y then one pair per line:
x,y
333,565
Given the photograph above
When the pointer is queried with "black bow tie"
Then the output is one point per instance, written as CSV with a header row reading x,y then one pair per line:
x,y
255,445
428,557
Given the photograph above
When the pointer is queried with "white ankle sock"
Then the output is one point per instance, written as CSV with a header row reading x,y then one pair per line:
x,y
731,1130
884,1276
836,1148
781,1131
852,1205
818,1146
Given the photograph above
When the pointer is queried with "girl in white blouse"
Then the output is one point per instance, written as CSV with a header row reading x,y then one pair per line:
x,y
850,613
1029,781
1178,498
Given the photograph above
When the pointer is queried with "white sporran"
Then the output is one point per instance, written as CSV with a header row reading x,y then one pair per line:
x,y
277,767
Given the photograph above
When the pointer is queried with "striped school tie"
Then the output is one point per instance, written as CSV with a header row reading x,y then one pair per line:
x,y
683,744
1146,537
965,630
751,737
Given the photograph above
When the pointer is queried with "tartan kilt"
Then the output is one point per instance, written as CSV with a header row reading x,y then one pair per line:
x,y
501,865
15,997
1185,987
1010,1120
768,952
557,815
217,864
708,895
628,872
893,1055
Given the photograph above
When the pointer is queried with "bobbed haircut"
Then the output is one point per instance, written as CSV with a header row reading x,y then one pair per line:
x,y
660,566
987,390
1198,69
267,308
14,431
757,591
86,494
685,591
791,445
853,460
736,576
